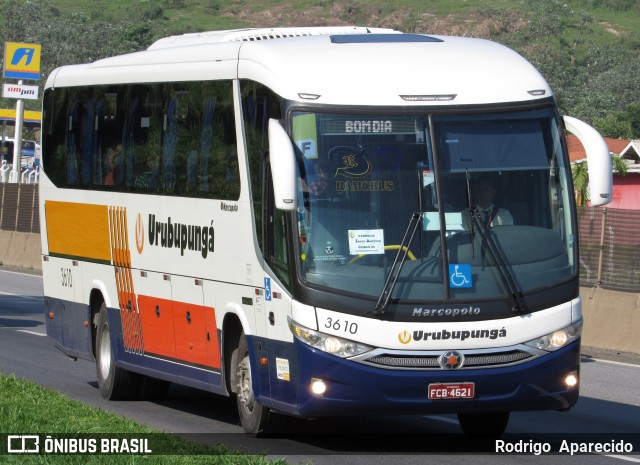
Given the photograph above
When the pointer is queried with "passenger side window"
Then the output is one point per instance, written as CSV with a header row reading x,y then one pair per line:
x,y
171,139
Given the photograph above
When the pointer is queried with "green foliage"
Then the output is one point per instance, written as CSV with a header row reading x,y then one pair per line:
x,y
580,175
588,50
28,408
614,5
614,125
594,81
632,114
213,7
69,38
174,3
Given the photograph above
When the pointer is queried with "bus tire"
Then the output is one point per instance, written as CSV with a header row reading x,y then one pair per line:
x,y
115,383
254,417
484,424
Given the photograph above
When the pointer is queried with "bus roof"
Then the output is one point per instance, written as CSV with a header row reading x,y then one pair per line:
x,y
255,34
344,66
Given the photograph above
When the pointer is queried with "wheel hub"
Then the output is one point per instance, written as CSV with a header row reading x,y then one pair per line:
x,y
245,390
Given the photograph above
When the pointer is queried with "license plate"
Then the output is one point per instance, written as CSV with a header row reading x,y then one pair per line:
x,y
451,390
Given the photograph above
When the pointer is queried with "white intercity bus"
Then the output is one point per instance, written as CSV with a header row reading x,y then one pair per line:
x,y
292,217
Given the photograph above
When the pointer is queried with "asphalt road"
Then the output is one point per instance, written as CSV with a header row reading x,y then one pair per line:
x,y
609,405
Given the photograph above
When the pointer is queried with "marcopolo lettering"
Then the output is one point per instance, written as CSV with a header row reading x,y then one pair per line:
x,y
228,208
461,335
181,236
452,312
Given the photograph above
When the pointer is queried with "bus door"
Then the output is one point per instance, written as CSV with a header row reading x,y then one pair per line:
x,y
277,305
280,354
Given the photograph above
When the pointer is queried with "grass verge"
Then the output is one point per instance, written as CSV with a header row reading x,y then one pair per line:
x,y
27,408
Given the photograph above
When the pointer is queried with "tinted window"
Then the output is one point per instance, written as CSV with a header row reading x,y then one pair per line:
x,y
166,138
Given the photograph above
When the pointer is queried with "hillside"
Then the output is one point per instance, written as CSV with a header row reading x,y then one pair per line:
x,y
611,20
589,50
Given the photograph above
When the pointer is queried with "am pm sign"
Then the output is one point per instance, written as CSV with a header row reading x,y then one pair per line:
x,y
19,91
21,61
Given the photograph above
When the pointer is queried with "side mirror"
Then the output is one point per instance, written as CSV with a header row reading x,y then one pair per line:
x,y
598,159
283,167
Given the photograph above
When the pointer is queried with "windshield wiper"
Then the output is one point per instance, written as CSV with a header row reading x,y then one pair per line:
x,y
516,297
396,266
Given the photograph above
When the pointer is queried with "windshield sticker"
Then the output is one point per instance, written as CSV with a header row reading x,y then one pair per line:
x,y
327,254
428,178
352,168
351,162
366,241
460,276
305,135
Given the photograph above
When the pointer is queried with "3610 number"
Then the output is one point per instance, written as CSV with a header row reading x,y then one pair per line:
x,y
67,277
341,325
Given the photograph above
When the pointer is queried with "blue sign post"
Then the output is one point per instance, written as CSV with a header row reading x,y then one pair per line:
x,y
21,61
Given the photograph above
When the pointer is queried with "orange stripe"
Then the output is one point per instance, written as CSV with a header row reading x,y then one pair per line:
x,y
78,230
129,312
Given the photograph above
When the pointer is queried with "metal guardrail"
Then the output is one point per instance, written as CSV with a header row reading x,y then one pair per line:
x,y
5,171
609,248
28,175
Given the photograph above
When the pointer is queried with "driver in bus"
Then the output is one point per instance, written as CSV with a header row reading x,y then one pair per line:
x,y
483,193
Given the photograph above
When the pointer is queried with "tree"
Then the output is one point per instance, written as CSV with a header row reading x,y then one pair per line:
x,y
580,174
591,79
614,125
69,38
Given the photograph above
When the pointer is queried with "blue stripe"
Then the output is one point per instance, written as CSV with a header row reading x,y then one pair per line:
x,y
21,75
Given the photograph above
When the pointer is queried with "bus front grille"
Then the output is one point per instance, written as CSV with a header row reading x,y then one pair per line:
x,y
431,360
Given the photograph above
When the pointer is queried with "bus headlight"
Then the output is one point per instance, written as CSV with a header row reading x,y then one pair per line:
x,y
328,343
557,339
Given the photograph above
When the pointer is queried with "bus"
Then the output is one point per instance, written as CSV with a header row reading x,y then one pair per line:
x,y
29,153
289,217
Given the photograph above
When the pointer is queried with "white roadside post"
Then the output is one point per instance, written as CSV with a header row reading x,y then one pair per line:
x,y
21,61
14,177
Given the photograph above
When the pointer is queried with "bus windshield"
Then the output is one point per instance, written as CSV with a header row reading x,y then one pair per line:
x,y
450,206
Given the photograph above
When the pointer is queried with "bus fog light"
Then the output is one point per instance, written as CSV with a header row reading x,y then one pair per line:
x,y
318,387
571,380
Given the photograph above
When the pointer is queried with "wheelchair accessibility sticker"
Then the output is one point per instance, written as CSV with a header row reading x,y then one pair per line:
x,y
460,276
267,289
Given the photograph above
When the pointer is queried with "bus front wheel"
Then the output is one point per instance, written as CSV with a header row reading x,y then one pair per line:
x,y
115,383
254,417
